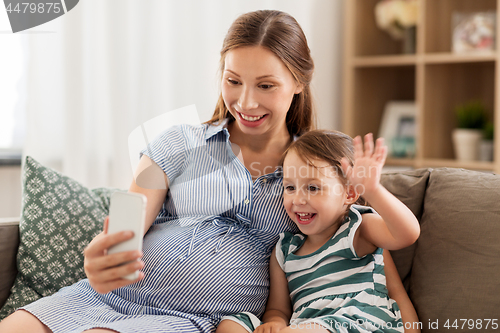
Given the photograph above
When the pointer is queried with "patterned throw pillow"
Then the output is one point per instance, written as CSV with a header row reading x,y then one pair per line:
x,y
59,217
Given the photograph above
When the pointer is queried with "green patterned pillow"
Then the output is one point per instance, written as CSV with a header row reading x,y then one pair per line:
x,y
59,217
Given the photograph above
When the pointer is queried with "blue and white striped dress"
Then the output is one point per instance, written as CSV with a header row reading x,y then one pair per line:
x,y
206,255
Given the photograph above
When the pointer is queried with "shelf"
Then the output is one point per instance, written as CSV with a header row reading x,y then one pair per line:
x,y
377,85
387,60
438,16
446,86
430,58
449,58
437,79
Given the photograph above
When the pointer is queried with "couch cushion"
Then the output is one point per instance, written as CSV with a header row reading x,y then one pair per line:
x,y
9,242
456,264
59,217
409,187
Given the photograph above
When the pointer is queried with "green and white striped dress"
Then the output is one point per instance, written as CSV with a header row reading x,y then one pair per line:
x,y
333,287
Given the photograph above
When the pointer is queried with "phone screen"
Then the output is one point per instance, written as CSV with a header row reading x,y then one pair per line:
x,y
127,211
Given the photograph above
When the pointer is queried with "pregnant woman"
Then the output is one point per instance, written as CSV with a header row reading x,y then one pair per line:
x,y
213,220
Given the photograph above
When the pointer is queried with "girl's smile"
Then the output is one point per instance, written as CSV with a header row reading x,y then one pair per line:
x,y
314,196
305,218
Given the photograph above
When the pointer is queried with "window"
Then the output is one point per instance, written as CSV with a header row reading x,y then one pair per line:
x,y
11,90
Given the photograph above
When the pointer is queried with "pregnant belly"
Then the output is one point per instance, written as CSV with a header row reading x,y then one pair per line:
x,y
205,281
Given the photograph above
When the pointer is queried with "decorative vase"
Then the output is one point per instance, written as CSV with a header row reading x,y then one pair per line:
x,y
486,150
466,143
409,40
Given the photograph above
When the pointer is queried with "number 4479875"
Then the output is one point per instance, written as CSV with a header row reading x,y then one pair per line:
x,y
472,324
32,7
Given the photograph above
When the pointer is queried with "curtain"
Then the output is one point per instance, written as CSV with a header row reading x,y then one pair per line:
x,y
104,68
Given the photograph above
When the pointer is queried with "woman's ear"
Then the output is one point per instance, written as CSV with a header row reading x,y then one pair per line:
x,y
299,88
352,195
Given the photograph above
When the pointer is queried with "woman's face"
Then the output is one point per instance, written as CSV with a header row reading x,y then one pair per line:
x,y
257,89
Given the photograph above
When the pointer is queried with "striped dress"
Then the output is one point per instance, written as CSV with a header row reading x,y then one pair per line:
x,y
206,255
332,287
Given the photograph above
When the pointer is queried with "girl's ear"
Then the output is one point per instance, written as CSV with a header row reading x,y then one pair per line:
x,y
352,195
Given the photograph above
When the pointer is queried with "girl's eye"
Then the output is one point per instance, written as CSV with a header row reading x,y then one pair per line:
x,y
312,188
266,86
232,82
289,188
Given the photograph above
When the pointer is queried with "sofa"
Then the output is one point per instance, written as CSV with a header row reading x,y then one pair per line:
x,y
451,273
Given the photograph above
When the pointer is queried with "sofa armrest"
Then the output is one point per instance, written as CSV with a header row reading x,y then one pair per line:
x,y
9,243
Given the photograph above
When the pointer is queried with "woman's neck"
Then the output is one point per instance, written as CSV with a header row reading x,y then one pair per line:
x,y
275,142
260,154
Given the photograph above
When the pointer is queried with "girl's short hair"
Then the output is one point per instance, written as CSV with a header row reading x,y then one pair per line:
x,y
280,33
326,145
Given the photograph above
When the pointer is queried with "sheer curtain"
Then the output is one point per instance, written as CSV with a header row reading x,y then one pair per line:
x,y
106,67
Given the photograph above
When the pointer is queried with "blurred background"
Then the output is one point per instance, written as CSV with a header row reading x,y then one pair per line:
x,y
73,89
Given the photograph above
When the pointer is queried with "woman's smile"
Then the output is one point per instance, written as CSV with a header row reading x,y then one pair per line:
x,y
250,121
258,90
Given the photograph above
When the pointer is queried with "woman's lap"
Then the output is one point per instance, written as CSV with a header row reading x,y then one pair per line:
x,y
78,308
208,285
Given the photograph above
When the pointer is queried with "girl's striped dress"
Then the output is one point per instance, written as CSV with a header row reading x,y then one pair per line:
x,y
206,255
332,287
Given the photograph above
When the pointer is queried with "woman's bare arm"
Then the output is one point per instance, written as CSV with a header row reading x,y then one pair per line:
x,y
150,180
105,271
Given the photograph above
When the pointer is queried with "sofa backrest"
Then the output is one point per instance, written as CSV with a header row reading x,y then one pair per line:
x,y
409,187
451,272
9,242
455,270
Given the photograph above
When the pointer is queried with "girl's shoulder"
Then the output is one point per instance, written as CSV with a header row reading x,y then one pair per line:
x,y
362,209
356,212
289,241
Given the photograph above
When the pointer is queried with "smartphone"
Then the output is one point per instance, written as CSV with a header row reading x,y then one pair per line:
x,y
127,211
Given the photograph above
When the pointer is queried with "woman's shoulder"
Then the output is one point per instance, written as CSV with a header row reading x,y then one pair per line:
x,y
186,132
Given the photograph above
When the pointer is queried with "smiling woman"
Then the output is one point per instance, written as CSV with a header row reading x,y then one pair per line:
x,y
258,89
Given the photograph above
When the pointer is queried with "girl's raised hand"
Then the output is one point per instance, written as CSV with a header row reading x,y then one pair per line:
x,y
364,176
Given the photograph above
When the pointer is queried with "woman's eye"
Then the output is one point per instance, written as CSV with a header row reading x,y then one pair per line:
x,y
233,82
266,86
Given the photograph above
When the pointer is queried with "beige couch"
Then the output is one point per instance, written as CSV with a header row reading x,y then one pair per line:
x,y
451,273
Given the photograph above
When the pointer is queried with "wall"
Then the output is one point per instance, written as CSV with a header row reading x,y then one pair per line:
x,y
10,191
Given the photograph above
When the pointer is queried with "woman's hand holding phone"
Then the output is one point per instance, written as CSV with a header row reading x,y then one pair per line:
x,y
105,272
112,259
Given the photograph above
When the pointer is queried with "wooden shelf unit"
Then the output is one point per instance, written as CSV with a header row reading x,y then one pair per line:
x,y
376,72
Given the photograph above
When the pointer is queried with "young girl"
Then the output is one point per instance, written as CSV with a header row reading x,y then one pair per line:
x,y
333,271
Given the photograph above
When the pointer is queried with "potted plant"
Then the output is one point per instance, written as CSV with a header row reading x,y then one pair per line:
x,y
471,119
486,144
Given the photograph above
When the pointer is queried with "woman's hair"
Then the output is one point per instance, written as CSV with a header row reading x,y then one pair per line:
x,y
325,145
281,34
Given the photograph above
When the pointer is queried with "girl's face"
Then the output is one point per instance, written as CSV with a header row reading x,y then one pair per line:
x,y
257,89
314,197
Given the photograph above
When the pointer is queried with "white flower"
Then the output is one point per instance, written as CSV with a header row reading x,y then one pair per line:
x,y
394,16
